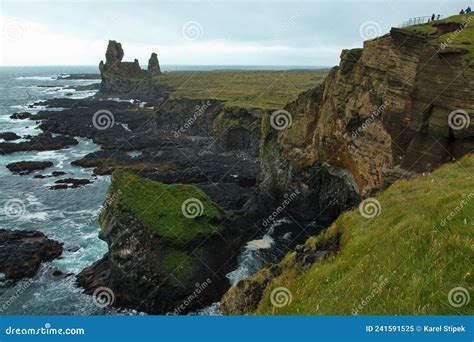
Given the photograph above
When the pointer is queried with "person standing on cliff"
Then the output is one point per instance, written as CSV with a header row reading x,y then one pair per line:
x,y
462,12
433,17
468,9
439,16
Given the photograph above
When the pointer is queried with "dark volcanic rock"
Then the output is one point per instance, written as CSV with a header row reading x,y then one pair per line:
x,y
21,116
127,79
26,167
85,76
9,136
53,174
70,183
42,142
22,252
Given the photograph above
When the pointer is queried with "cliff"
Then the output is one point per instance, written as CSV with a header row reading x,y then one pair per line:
x,y
402,105
128,79
411,255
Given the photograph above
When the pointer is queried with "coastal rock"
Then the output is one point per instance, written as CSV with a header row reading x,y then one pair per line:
x,y
168,258
9,136
386,106
70,183
23,251
26,167
153,65
42,142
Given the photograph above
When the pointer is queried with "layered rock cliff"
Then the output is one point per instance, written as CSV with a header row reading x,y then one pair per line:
x,y
387,111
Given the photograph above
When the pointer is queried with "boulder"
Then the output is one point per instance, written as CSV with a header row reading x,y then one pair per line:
x,y
23,251
153,65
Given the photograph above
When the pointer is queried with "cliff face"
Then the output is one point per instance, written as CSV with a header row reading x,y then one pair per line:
x,y
127,79
381,114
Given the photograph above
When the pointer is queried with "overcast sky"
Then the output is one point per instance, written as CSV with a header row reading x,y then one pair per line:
x,y
305,33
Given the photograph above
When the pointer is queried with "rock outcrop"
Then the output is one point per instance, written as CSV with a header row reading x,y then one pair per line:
x,y
23,251
128,79
26,167
153,65
397,108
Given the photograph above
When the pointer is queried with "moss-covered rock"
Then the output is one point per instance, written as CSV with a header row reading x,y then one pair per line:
x,y
176,212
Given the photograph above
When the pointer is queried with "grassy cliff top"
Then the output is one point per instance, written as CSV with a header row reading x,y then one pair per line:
x,y
169,210
405,261
464,39
249,89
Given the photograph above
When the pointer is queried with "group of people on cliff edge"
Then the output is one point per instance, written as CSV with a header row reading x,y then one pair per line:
x,y
465,11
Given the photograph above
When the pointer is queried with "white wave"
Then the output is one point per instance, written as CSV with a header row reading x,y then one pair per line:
x,y
38,78
29,216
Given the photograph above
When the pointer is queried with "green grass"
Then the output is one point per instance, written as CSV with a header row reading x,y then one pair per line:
x,y
404,261
247,89
159,206
462,40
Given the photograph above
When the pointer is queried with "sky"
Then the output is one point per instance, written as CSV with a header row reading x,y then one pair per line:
x,y
212,32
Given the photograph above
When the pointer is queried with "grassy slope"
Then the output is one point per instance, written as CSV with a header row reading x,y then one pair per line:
x,y
249,89
464,40
159,206
407,243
